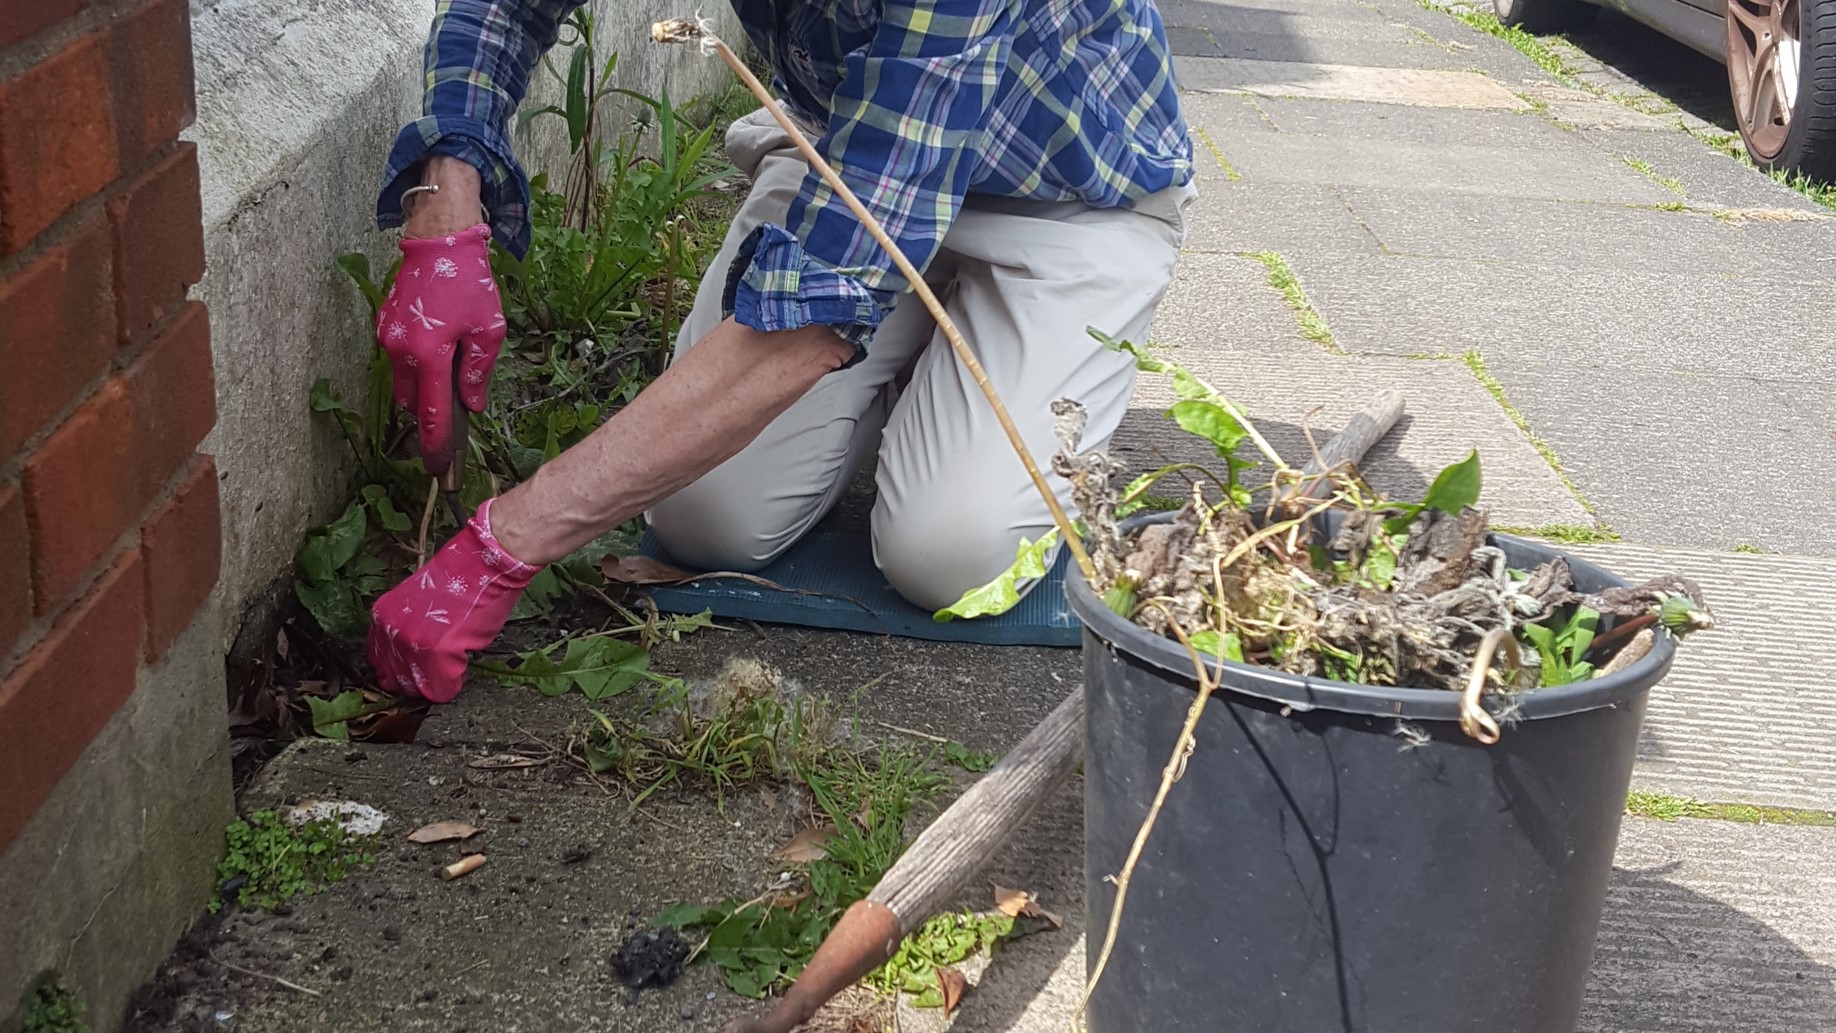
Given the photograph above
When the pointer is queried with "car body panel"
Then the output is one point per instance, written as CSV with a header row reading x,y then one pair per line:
x,y
1701,26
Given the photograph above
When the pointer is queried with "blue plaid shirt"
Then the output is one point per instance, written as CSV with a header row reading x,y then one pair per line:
x,y
924,101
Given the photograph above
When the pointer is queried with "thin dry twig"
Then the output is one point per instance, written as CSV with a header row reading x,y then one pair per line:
x,y
681,30
288,983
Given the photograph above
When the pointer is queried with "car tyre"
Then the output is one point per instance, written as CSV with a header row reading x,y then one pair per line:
x,y
1782,74
1546,16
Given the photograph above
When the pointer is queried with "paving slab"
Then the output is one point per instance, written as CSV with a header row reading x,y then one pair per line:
x,y
1223,321
1709,926
1746,714
1288,78
1356,122
1709,178
1695,460
1508,171
1596,240
1252,215
1639,319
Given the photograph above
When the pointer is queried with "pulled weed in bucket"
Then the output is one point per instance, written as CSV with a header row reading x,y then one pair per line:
x,y
1397,594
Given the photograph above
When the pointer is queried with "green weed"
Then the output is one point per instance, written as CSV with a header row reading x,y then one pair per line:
x,y
1536,48
271,860
973,761
1667,807
1230,171
52,1007
1749,548
1476,363
1312,325
1646,169
1567,534
762,944
940,942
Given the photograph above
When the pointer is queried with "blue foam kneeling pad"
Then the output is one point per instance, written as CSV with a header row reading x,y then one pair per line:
x,y
831,582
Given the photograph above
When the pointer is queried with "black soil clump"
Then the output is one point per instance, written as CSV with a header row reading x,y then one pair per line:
x,y
651,957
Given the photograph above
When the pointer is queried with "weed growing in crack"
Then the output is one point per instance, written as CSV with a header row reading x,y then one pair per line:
x,y
1668,807
1312,325
1646,169
271,860
1567,534
1230,171
52,1007
859,806
1536,48
1476,363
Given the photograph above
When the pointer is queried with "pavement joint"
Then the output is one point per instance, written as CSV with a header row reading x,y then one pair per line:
x,y
1312,325
1230,171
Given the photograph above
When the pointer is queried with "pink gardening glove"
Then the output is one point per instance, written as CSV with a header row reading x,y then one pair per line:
x,y
443,298
457,603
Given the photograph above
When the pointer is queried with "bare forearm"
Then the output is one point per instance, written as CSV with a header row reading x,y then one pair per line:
x,y
451,208
702,411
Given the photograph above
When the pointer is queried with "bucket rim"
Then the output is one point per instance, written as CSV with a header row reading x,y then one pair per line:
x,y
1305,693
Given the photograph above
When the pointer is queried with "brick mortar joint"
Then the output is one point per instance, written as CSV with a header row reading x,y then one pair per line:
x,y
98,16
72,222
12,467
131,541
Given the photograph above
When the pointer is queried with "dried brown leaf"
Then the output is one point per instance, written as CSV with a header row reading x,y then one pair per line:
x,y
1011,902
641,570
806,846
953,984
441,832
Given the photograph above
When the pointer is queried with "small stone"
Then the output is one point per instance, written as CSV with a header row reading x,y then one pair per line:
x,y
392,934
688,1014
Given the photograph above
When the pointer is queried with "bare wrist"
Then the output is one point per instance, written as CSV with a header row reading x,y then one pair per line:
x,y
452,206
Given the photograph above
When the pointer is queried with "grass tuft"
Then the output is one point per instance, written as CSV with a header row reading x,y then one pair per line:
x,y
1667,807
1312,325
1476,363
1645,168
1230,171
1566,534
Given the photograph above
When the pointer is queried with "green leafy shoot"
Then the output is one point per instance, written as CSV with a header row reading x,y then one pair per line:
x,y
1453,490
52,1007
600,667
1562,643
270,861
974,761
1003,593
331,717
335,576
942,941
1220,645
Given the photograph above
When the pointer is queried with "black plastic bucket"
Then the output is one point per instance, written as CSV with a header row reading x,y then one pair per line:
x,y
1321,868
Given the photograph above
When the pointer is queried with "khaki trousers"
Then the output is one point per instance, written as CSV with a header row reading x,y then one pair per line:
x,y
1023,280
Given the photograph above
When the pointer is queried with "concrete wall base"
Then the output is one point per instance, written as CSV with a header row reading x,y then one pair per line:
x,y
122,858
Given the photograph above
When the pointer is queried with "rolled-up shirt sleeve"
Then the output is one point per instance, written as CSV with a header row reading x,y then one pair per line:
x,y
910,108
479,56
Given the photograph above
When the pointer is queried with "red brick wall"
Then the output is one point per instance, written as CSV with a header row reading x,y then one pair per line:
x,y
108,516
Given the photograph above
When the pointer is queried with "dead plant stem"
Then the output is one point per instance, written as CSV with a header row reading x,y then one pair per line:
x,y
931,303
1176,765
